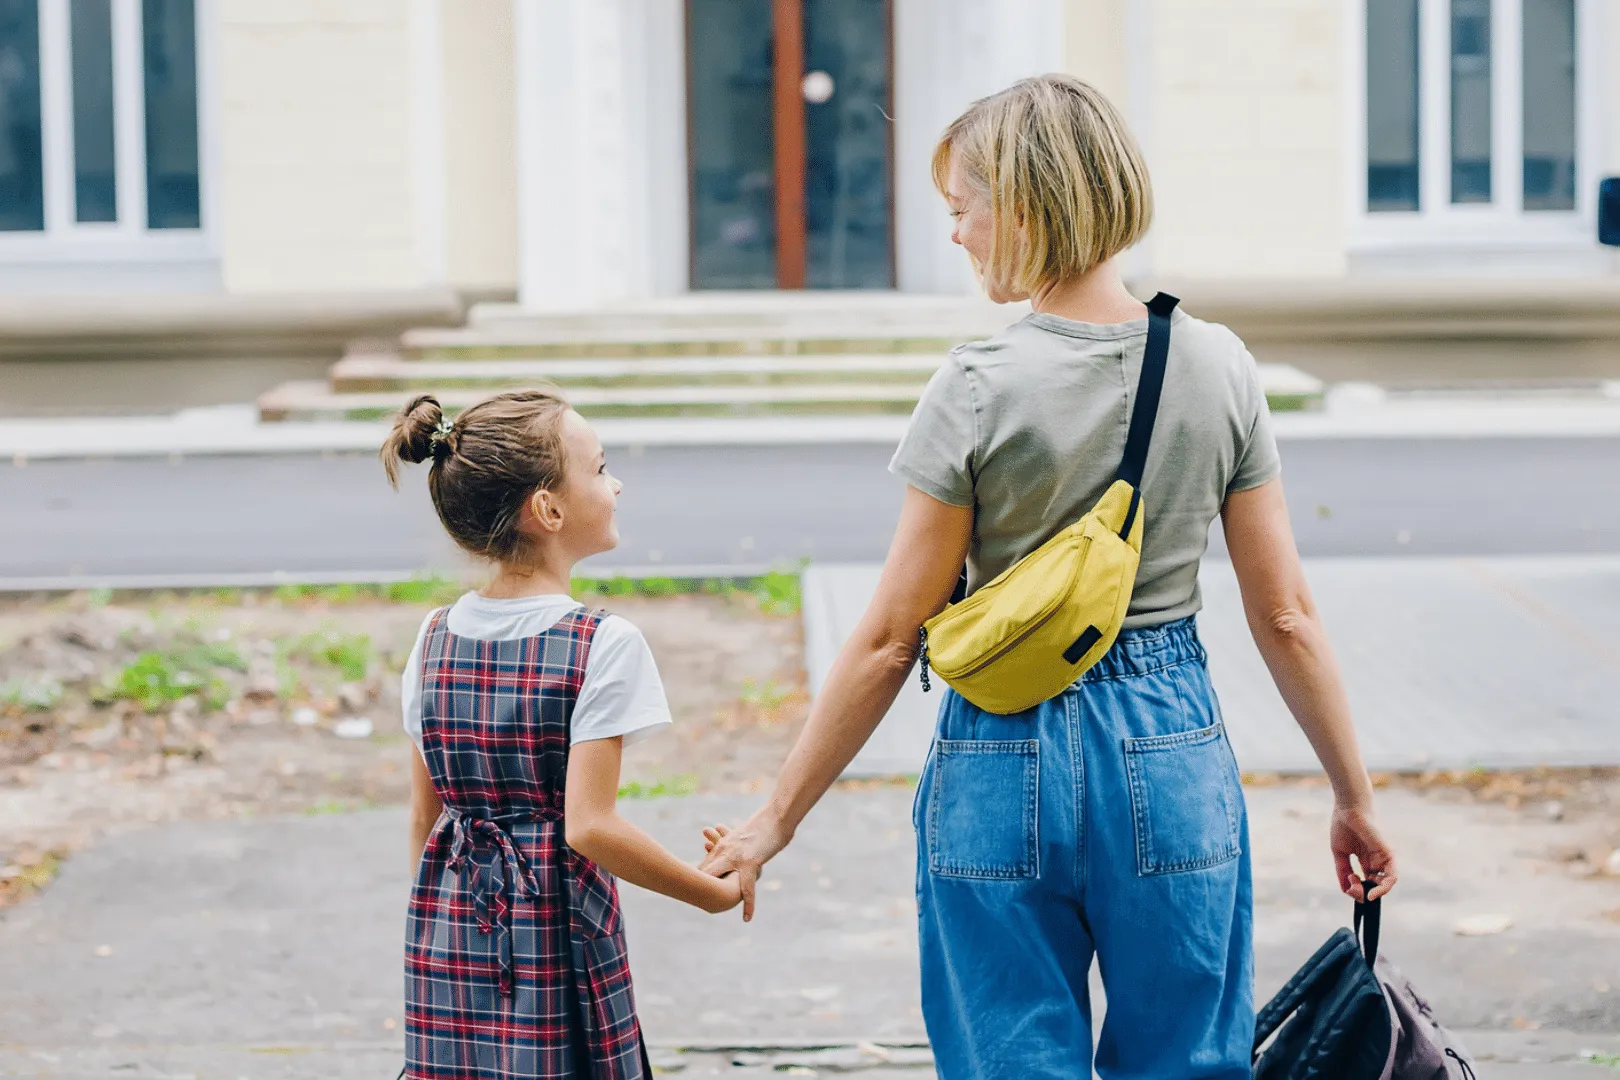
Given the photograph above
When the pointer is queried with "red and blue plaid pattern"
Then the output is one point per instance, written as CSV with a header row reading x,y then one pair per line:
x,y
515,961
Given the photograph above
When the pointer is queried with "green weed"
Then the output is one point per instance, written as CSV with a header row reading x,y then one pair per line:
x,y
663,586
767,696
674,787
778,593
351,654
100,596
30,694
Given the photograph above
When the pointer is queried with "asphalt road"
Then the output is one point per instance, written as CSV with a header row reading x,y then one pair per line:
x,y
738,506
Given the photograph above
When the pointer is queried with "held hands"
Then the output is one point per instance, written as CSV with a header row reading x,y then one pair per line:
x,y
744,851
1354,834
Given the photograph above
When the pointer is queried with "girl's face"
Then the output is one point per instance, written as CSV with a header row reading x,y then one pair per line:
x,y
588,495
974,227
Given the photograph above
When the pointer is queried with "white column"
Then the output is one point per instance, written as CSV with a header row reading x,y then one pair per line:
x,y
429,182
948,53
595,169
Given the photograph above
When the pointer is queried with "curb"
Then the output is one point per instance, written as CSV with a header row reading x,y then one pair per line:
x,y
183,582
235,430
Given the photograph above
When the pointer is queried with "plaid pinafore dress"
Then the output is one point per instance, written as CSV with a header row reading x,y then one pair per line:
x,y
515,960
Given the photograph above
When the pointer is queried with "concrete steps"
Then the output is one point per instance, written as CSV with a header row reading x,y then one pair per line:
x,y
315,401
725,355
364,373
371,387
663,342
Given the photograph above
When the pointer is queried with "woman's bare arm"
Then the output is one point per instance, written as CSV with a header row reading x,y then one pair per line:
x,y
1286,628
924,561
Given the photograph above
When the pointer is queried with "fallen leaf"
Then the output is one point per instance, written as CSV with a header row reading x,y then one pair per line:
x,y
1483,925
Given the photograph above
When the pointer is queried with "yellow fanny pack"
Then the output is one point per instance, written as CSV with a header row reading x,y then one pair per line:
x,y
1024,637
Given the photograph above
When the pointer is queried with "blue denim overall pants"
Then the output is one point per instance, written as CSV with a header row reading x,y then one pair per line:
x,y
1108,822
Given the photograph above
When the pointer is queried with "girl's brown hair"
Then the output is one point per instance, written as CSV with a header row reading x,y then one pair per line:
x,y
486,463
1067,184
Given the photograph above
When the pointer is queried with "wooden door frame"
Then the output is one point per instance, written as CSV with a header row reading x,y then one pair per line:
x,y
789,142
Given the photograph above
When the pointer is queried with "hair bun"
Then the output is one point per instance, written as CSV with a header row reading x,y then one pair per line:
x,y
415,427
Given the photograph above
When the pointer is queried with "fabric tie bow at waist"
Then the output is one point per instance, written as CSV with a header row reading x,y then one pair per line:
x,y
496,882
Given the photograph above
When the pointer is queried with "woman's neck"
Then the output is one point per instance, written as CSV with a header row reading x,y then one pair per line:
x,y
544,577
1096,296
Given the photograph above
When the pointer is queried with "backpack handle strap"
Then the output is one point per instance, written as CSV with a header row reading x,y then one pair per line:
x,y
1367,919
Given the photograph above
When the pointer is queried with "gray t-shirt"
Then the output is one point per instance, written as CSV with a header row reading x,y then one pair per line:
x,y
1028,428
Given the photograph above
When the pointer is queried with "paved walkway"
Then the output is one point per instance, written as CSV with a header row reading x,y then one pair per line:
x,y
1450,663
270,949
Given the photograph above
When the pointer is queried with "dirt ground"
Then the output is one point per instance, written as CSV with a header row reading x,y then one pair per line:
x,y
125,711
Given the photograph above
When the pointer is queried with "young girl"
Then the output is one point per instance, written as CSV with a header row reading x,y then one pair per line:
x,y
521,701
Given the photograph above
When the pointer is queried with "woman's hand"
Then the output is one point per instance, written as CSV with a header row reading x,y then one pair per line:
x,y
1354,834
744,851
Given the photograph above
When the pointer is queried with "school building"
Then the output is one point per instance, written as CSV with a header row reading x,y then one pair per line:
x,y
1330,161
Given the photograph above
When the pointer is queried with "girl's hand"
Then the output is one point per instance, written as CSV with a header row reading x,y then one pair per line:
x,y
725,895
1354,834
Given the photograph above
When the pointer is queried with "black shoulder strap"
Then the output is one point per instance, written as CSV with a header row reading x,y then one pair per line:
x,y
1148,388
1367,919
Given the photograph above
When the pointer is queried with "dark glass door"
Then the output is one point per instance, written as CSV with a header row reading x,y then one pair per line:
x,y
790,144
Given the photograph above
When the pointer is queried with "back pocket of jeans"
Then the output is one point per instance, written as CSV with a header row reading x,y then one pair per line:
x,y
982,809
1185,800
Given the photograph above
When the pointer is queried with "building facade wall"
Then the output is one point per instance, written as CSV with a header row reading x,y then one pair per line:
x,y
1244,132
316,158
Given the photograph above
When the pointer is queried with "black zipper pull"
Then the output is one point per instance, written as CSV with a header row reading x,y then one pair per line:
x,y
922,666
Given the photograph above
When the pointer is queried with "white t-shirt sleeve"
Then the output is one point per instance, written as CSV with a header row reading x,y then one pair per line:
x,y
622,694
410,686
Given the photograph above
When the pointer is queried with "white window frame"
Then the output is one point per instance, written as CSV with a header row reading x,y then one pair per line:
x,y
87,255
1502,225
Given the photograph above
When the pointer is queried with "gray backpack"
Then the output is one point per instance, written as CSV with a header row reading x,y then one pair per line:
x,y
1349,1014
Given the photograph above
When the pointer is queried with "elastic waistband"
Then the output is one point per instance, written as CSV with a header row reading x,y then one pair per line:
x,y
1147,649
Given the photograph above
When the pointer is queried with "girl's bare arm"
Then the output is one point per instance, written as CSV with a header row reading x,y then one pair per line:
x,y
595,829
425,807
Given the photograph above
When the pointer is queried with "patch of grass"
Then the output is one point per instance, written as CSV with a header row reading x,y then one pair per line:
x,y
1611,1061
673,787
328,807
351,654
30,694
618,585
22,882
154,680
100,596
778,593
433,590
662,586
767,696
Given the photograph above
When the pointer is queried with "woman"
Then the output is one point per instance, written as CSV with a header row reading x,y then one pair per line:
x,y
1109,821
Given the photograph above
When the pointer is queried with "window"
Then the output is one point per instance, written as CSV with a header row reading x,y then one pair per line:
x,y
1549,104
99,118
1473,115
1470,101
22,157
1392,104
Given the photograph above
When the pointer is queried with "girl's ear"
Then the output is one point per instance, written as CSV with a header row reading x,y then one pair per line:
x,y
547,513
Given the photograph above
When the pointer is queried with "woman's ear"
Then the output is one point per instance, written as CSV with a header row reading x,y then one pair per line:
x,y
546,510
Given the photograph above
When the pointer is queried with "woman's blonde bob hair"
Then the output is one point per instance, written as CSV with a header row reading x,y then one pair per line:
x,y
1065,179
